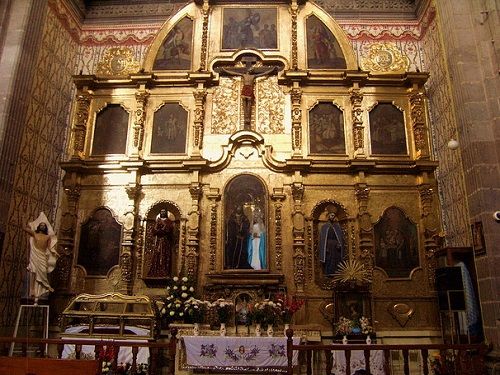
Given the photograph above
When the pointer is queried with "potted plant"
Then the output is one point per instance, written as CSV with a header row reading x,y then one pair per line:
x,y
223,309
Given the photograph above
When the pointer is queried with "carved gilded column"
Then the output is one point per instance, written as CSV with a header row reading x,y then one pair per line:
x,y
205,11
430,230
66,235
278,197
83,99
141,97
199,116
193,230
294,11
366,245
357,122
130,223
296,96
299,255
214,198
417,110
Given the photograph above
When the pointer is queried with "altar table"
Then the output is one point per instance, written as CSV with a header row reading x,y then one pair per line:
x,y
237,353
377,361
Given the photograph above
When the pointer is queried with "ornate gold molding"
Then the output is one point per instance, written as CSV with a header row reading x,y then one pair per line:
x,y
214,198
296,96
385,58
199,116
118,61
205,11
278,197
294,11
271,107
83,100
357,121
419,127
140,114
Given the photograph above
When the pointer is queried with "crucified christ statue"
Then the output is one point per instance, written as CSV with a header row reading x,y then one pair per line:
x,y
248,74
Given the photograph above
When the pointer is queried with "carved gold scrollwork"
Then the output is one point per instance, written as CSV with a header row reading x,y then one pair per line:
x,y
225,107
299,262
80,126
196,191
205,11
271,107
357,121
278,197
297,191
139,247
296,96
118,61
199,115
214,197
384,58
294,11
419,129
140,114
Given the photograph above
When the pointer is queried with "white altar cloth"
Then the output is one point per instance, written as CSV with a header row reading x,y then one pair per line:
x,y
228,352
358,362
124,355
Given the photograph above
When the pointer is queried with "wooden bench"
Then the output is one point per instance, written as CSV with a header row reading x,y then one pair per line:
x,y
46,366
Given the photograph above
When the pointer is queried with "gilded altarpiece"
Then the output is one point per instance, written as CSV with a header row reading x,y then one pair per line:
x,y
297,174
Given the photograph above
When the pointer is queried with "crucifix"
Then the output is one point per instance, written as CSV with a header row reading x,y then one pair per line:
x,y
248,73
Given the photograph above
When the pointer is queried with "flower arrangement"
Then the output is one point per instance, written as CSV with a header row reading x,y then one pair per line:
x,y
265,312
223,309
353,326
195,310
441,365
289,306
107,356
179,290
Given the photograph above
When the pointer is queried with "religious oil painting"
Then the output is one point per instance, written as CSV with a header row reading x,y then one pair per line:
x,y
396,244
161,242
169,130
323,49
326,129
110,131
249,28
387,130
245,215
100,241
176,51
352,305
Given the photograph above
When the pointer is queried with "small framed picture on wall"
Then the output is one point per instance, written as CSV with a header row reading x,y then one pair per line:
x,y
478,238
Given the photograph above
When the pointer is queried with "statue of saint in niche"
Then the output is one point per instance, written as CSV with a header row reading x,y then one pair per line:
x,y
331,243
164,241
245,234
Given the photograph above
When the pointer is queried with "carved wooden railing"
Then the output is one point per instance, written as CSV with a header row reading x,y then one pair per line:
x,y
458,359
41,345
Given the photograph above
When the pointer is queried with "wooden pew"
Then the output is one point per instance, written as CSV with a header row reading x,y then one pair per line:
x,y
46,366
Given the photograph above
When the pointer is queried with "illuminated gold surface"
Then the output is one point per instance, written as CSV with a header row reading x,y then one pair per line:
x,y
118,61
385,58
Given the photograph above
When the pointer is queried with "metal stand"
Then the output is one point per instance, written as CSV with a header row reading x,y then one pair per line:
x,y
45,323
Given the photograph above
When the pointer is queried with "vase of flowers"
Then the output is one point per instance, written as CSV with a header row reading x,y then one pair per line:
x,y
195,310
223,310
258,330
179,290
289,306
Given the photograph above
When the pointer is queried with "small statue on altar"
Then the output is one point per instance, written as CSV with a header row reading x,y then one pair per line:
x,y
331,243
42,257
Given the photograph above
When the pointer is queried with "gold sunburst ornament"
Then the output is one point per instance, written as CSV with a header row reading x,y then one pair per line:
x,y
118,61
385,58
351,271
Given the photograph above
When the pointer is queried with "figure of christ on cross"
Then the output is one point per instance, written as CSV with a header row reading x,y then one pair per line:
x,y
248,74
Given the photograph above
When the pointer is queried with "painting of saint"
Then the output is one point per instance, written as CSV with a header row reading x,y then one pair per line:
x,y
169,130
245,226
176,51
323,49
249,28
326,129
100,241
387,130
110,132
396,244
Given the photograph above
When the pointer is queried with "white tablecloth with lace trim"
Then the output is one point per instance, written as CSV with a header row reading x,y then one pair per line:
x,y
233,353
377,361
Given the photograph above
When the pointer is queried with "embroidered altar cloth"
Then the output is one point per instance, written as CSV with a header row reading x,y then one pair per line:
x,y
227,352
377,362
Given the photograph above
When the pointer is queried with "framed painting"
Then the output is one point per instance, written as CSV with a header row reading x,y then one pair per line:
x,y
245,246
169,130
323,49
249,28
110,131
396,244
478,243
176,51
352,304
100,241
326,129
387,130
